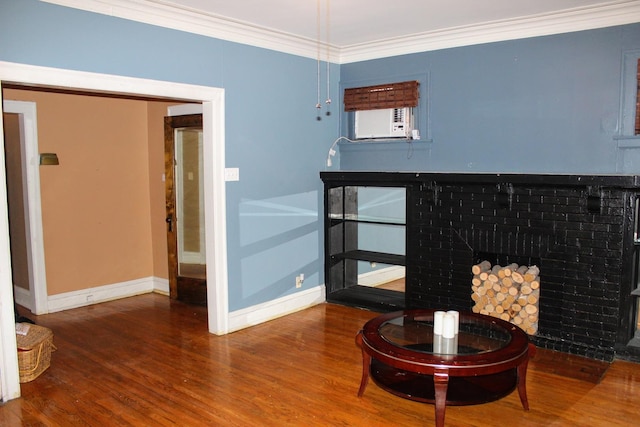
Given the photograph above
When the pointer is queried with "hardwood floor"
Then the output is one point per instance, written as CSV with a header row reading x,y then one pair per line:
x,y
147,361
394,285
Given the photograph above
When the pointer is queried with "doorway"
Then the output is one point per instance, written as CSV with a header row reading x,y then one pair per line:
x,y
13,141
23,188
185,208
213,156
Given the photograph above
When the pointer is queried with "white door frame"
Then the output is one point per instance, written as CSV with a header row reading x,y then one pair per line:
x,y
215,222
32,203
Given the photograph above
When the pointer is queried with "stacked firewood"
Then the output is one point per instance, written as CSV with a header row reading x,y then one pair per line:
x,y
511,293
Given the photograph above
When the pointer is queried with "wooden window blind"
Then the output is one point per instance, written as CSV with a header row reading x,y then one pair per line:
x,y
392,95
637,131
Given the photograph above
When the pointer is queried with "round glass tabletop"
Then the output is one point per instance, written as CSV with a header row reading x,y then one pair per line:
x,y
476,335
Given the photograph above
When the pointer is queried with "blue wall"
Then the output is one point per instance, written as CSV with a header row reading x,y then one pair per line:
x,y
544,104
272,134
547,104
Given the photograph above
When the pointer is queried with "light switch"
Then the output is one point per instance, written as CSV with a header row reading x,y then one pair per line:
x,y
232,174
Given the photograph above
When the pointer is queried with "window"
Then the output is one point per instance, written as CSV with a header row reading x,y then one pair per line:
x,y
384,111
403,100
630,90
388,95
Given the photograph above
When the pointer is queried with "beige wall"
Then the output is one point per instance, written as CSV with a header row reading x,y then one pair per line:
x,y
103,206
155,119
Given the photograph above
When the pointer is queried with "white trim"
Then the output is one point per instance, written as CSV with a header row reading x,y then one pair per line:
x,y
9,377
160,285
22,296
270,310
98,294
184,109
214,154
183,19
33,205
215,205
577,19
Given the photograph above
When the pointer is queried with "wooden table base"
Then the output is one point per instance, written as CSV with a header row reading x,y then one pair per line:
x,y
441,389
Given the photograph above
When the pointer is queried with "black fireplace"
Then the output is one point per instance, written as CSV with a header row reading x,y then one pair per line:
x,y
580,230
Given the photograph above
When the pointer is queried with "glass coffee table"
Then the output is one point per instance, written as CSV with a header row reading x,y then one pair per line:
x,y
486,361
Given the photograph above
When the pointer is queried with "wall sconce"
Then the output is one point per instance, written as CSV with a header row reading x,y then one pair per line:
x,y
49,159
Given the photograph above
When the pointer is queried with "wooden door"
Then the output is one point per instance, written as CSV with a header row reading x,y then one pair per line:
x,y
185,208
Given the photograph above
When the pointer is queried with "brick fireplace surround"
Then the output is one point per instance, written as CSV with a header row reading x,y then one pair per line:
x,y
578,229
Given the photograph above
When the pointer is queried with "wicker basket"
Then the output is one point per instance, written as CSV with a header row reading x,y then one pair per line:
x,y
34,352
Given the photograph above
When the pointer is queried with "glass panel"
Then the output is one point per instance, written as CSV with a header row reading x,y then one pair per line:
x,y
382,204
335,203
475,336
366,224
384,238
376,205
190,203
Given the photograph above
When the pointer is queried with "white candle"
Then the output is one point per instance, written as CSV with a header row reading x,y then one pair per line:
x,y
456,315
449,346
448,326
437,344
438,318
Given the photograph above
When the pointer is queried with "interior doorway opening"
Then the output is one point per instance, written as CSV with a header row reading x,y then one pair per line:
x,y
16,186
23,197
212,100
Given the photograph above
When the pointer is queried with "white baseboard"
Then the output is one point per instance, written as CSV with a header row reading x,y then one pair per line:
x,y
160,286
270,310
384,275
85,297
239,319
22,296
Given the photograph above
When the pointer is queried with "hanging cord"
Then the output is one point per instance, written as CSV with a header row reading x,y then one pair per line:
x,y
318,105
328,101
410,150
332,151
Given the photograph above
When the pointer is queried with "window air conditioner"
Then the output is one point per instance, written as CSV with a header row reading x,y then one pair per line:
x,y
384,123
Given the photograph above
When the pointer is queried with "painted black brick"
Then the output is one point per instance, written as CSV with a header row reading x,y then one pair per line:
x,y
572,233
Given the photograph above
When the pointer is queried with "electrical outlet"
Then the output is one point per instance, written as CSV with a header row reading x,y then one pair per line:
x,y
299,280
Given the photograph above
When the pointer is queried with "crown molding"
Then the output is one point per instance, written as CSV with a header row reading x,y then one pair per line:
x,y
192,21
219,27
578,19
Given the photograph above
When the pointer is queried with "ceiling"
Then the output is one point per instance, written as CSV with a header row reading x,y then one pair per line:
x,y
364,21
363,29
